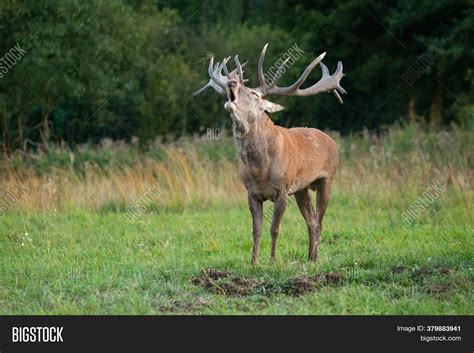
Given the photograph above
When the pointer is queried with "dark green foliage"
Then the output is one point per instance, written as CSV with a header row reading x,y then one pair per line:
x,y
123,69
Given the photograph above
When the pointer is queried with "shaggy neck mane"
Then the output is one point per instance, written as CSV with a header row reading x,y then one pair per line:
x,y
255,146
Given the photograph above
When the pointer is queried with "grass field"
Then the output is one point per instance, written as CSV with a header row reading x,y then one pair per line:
x,y
67,247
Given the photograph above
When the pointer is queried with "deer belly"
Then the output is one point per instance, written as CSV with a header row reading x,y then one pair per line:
x,y
266,188
259,187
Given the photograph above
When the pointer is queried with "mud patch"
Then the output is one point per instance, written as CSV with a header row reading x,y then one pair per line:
x,y
332,278
299,286
215,274
398,269
438,289
302,285
421,273
444,270
239,286
225,283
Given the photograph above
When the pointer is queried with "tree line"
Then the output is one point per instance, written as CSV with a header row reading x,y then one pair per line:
x,y
80,71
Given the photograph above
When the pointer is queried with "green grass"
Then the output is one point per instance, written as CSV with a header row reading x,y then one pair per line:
x,y
87,262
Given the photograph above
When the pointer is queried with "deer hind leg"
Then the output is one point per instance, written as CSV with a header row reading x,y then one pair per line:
x,y
279,209
323,192
256,208
303,199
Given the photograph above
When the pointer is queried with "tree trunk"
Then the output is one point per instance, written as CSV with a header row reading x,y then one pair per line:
x,y
184,124
5,134
245,10
45,132
21,131
411,106
436,110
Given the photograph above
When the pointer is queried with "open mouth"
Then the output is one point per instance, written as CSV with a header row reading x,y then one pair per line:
x,y
230,95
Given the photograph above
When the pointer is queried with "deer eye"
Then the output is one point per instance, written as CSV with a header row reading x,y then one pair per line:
x,y
255,94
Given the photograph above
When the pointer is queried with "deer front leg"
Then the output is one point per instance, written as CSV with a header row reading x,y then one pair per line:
x,y
256,208
279,209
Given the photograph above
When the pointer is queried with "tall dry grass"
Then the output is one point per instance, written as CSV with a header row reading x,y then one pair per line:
x,y
186,178
401,161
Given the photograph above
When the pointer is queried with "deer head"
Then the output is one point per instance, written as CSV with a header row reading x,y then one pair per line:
x,y
247,105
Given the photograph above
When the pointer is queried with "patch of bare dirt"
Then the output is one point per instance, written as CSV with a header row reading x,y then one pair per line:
x,y
444,270
225,283
239,286
421,272
332,278
398,269
438,289
215,273
301,285
209,276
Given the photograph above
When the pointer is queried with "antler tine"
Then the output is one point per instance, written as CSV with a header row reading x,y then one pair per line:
x,y
211,84
339,74
264,86
202,89
261,76
245,63
227,73
216,81
278,72
239,68
210,69
234,71
214,72
295,86
327,83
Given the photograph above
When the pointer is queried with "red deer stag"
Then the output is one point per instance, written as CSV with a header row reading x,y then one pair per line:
x,y
276,162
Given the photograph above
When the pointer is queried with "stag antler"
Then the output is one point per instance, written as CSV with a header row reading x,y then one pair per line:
x,y
219,81
327,83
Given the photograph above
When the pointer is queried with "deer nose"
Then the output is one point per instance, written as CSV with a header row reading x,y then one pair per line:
x,y
231,84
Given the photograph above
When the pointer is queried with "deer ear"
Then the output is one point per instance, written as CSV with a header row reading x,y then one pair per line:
x,y
272,107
